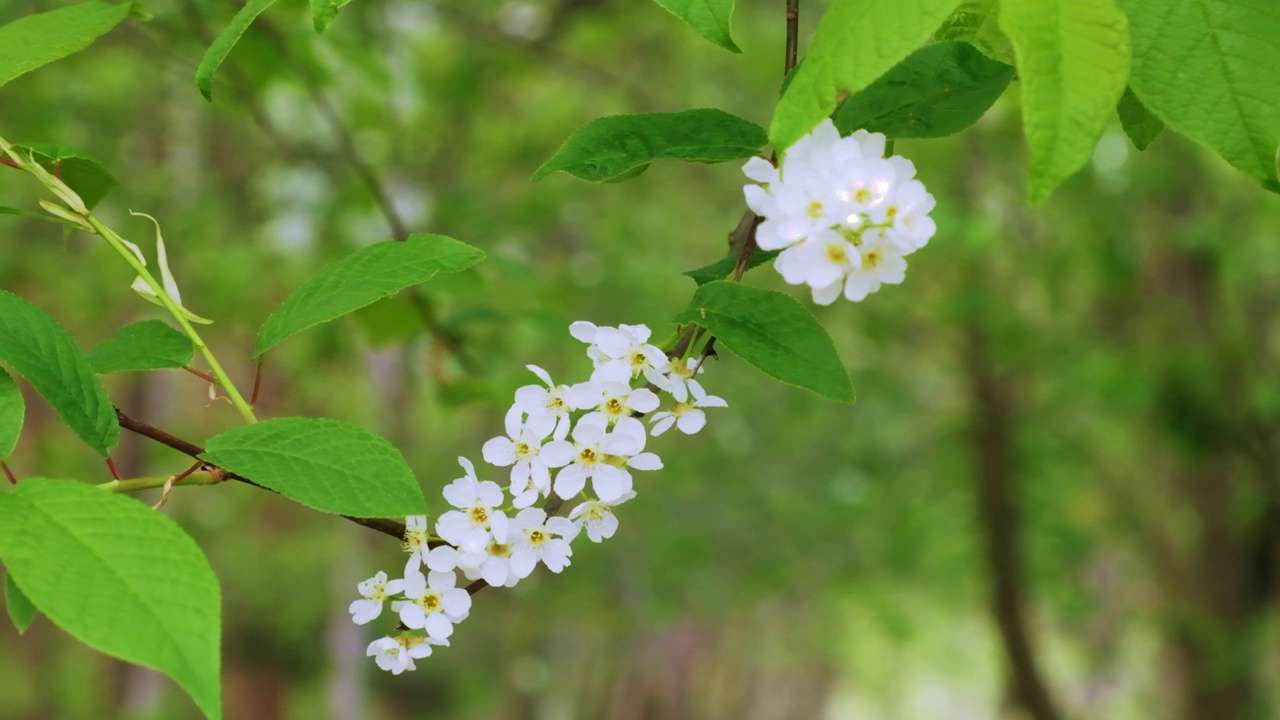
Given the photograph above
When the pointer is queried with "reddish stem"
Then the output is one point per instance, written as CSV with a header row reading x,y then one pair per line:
x,y
186,473
8,161
115,474
203,375
9,474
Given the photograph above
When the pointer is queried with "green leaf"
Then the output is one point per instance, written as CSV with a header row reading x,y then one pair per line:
x,y
36,347
117,576
1138,122
710,18
21,611
146,345
975,22
1210,70
938,90
324,464
856,42
774,332
324,12
12,410
723,268
1073,63
364,277
36,40
608,147
81,173
225,41
26,213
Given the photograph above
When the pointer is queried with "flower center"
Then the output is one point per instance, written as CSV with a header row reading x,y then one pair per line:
x,y
499,551
587,456
837,254
613,407
522,449
814,210
680,409
638,359
891,212
862,196
537,538
871,259
555,403
430,602
480,515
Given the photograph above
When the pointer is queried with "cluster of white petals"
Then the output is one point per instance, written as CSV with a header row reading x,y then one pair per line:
x,y
844,216
561,443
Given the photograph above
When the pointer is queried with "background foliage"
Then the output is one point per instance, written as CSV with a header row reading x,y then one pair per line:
x,y
1095,380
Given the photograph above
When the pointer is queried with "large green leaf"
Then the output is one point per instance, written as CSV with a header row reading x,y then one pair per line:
x,y
36,347
976,22
21,611
12,411
774,332
1073,63
81,173
938,90
328,465
607,148
709,17
146,345
119,577
364,277
856,42
36,40
225,41
1210,70
1139,123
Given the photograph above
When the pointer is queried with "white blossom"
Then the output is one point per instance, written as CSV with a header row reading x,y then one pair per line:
x,y
417,536
375,591
433,603
597,518
843,215
469,527
396,654
544,403
675,376
529,458
593,444
688,417
535,540
619,353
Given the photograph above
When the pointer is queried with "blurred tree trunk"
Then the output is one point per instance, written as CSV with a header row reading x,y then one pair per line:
x,y
992,441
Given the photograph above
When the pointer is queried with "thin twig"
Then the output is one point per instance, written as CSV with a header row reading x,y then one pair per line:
x,y
9,474
203,375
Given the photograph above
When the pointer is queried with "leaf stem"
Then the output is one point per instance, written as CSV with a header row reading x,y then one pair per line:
x,y
118,243
155,481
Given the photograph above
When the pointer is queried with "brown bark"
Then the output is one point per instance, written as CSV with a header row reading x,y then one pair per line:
x,y
991,435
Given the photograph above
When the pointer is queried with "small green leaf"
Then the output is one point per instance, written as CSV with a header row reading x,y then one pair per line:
x,y
1210,69
324,464
975,22
1138,122
36,347
938,90
12,410
146,345
773,332
711,18
324,12
26,213
362,278
37,40
81,173
117,576
856,42
723,268
1073,63
609,147
21,611
225,41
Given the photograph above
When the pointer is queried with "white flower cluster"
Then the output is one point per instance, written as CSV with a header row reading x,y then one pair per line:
x,y
589,434
843,215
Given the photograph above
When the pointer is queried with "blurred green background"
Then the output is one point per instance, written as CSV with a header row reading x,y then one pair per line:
x,y
1060,478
